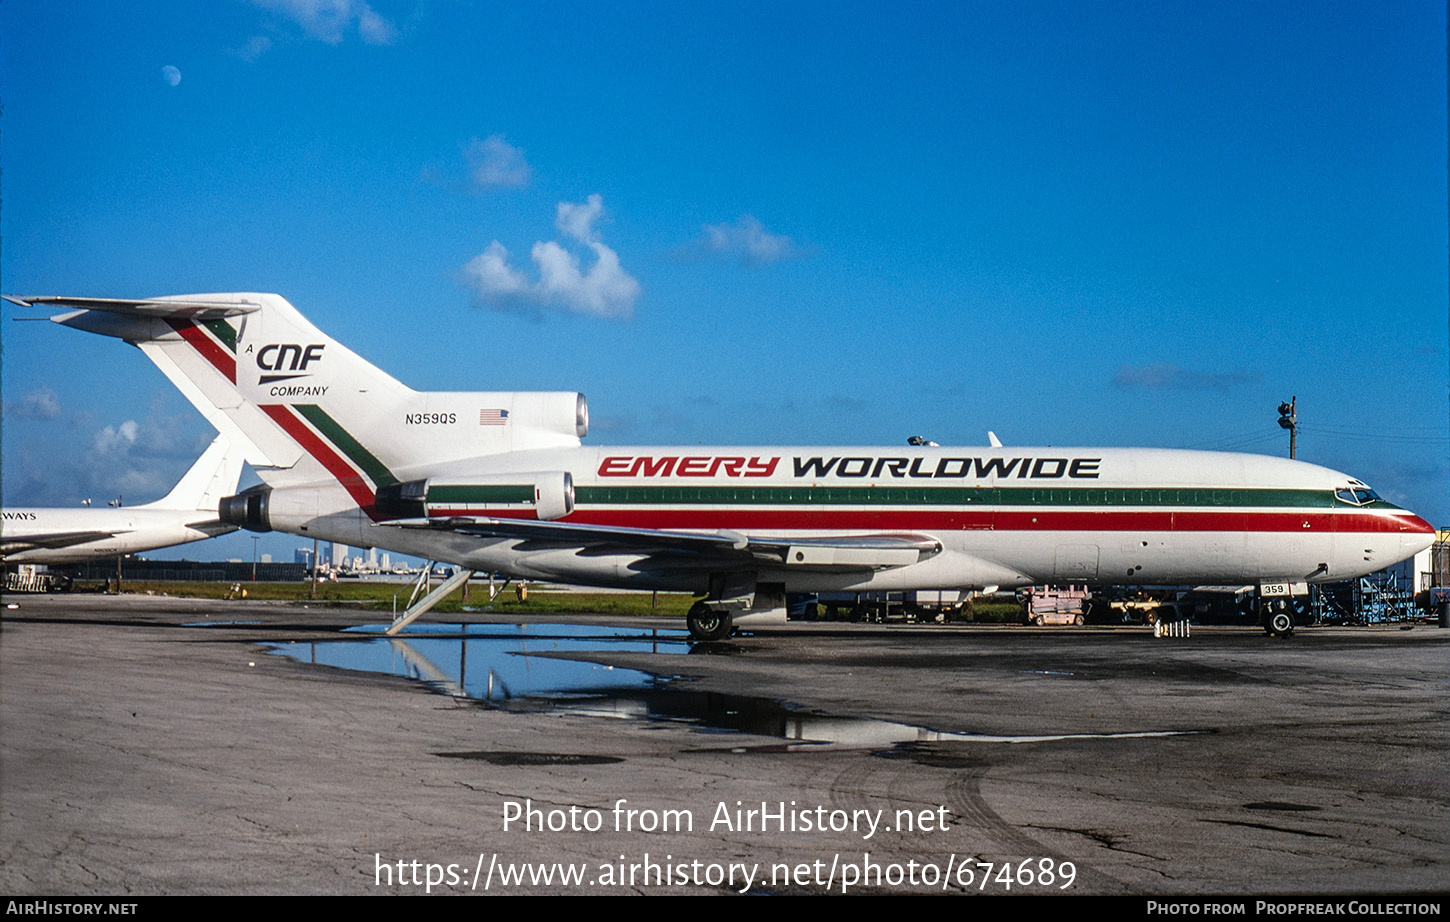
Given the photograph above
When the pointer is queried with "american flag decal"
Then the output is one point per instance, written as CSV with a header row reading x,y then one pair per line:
x,y
492,417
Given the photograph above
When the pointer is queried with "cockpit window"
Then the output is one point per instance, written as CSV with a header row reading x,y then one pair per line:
x,y
1357,496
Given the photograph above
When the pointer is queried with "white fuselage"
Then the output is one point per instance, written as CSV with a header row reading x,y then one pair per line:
x,y
1003,517
352,455
99,533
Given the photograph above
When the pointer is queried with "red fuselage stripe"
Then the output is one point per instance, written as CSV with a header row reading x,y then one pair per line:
x,y
1042,520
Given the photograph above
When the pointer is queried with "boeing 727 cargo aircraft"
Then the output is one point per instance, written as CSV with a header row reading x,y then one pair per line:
x,y
188,513
500,482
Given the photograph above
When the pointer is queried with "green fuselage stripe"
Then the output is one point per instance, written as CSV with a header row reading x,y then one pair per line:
x,y
958,496
492,493
358,455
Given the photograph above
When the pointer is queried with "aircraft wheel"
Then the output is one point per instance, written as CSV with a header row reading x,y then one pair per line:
x,y
1278,618
1281,624
707,623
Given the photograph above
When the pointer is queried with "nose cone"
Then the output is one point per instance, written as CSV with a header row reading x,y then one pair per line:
x,y
1415,535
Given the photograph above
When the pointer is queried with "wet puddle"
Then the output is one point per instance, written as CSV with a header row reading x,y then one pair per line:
x,y
496,662
802,731
502,663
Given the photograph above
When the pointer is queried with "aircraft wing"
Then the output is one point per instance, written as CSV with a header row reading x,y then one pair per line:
x,y
159,308
54,541
14,544
726,549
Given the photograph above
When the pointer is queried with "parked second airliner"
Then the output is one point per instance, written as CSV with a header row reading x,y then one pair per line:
x,y
188,513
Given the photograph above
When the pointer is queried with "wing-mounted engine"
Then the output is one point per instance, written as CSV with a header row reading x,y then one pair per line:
x,y
543,496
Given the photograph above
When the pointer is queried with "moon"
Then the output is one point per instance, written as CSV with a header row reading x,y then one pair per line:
x,y
171,75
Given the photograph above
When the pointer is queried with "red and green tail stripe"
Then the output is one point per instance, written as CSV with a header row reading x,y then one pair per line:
x,y
216,340
357,469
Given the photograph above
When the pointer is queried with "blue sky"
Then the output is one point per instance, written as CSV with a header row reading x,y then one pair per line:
x,y
754,223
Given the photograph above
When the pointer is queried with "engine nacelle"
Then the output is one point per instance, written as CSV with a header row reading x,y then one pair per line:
x,y
547,495
264,508
249,509
564,413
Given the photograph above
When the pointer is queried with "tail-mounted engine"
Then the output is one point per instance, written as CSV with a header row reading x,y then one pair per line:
x,y
547,496
249,509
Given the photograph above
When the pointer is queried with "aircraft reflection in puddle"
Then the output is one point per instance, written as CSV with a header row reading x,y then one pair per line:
x,y
803,730
500,662
496,662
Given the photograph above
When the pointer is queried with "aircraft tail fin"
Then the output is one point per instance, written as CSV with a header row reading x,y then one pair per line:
x,y
213,477
217,349
302,407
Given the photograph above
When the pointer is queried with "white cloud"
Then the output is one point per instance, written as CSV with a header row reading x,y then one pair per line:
x,y
114,440
140,460
42,403
495,162
487,164
746,240
374,29
604,289
489,273
255,47
141,457
577,221
330,20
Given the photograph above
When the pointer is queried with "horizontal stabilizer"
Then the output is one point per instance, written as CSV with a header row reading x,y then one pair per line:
x,y
212,527
160,308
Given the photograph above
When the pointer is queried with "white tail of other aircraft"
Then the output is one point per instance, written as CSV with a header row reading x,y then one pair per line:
x,y
190,512
211,479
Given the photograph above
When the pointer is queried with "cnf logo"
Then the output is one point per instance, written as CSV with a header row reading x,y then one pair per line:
x,y
288,356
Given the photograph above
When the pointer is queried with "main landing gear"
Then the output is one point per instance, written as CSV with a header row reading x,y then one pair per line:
x,y
708,623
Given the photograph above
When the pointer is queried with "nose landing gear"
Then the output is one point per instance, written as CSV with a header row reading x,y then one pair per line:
x,y
709,623
1277,617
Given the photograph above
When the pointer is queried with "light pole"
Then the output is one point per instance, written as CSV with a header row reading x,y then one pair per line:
x,y
1289,419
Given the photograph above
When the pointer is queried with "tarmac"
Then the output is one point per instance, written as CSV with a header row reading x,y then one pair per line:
x,y
152,746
